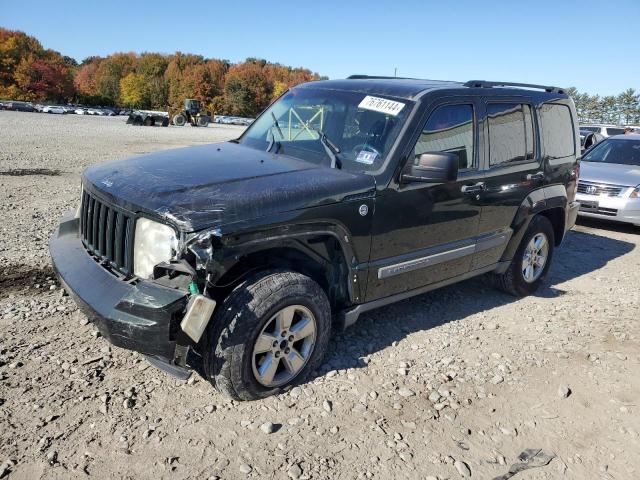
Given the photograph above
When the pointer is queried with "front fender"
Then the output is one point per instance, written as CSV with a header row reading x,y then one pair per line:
x,y
220,250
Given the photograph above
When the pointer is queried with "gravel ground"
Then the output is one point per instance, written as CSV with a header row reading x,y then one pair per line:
x,y
452,384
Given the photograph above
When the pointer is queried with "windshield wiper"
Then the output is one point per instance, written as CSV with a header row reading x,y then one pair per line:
x,y
273,140
332,150
277,125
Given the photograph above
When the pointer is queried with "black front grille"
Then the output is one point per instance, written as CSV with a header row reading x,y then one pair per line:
x,y
107,233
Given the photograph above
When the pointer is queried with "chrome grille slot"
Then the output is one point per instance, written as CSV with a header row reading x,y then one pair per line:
x,y
590,188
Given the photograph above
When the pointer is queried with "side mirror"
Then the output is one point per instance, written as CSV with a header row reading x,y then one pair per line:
x,y
432,167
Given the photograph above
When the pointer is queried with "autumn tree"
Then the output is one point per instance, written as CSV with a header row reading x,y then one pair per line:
x,y
14,47
176,91
134,91
44,77
85,77
151,68
111,70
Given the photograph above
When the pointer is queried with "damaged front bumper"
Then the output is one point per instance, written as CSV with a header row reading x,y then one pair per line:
x,y
137,315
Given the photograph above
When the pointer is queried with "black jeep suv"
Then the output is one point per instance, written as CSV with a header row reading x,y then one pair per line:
x,y
343,196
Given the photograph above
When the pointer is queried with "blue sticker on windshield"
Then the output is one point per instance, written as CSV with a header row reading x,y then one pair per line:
x,y
365,156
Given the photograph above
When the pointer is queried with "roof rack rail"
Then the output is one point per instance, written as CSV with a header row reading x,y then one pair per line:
x,y
486,84
379,77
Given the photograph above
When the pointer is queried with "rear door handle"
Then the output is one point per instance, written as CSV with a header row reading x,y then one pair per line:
x,y
472,189
536,177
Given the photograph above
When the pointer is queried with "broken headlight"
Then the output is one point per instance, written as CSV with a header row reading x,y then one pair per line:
x,y
154,243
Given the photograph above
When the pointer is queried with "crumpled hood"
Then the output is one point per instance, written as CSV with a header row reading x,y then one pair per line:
x,y
612,173
212,185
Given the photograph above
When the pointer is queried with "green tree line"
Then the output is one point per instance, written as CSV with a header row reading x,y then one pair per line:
x,y
621,109
149,80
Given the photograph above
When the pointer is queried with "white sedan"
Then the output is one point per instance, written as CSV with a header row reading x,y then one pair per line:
x,y
54,109
609,185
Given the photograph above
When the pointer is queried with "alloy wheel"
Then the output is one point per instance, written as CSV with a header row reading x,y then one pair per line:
x,y
284,346
535,257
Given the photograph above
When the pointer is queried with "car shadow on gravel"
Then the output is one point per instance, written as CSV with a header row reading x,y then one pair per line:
x,y
18,278
581,253
611,226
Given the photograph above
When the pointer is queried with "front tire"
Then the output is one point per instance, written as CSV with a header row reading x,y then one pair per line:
x,y
531,262
179,120
268,334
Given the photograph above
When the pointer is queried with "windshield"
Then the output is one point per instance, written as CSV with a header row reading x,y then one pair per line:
x,y
624,152
358,129
590,129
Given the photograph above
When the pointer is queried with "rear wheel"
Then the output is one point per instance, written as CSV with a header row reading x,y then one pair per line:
x,y
179,120
532,260
267,335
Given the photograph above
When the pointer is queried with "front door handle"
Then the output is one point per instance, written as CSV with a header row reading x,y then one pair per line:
x,y
536,177
472,189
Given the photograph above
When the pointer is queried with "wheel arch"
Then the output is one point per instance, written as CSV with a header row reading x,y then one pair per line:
x,y
318,255
550,202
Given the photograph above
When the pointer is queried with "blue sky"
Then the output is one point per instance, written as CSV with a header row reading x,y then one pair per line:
x,y
592,45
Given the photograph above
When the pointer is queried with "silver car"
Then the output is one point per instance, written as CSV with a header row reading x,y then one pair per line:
x,y
609,185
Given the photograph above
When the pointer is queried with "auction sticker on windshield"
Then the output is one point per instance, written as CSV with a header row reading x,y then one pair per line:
x,y
382,105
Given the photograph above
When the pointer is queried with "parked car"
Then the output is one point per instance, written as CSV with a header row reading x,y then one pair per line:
x,y
80,111
609,186
19,106
54,109
588,139
245,251
604,130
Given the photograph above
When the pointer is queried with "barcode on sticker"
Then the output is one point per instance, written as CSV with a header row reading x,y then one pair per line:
x,y
366,157
382,105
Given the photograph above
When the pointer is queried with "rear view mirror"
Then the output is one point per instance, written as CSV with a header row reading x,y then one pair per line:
x,y
432,167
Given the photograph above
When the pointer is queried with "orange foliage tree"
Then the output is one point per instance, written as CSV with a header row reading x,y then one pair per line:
x,y
149,81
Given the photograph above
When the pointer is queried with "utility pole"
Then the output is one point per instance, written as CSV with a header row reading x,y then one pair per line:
x,y
395,71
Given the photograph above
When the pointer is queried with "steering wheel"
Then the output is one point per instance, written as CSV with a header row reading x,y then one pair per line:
x,y
363,146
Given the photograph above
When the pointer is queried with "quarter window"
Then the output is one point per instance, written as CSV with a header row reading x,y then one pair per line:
x,y
556,130
449,129
511,137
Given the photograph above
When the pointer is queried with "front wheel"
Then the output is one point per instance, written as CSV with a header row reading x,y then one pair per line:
x,y
267,335
179,120
202,121
530,265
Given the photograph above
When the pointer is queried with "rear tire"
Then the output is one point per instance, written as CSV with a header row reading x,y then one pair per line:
x,y
514,280
179,120
233,344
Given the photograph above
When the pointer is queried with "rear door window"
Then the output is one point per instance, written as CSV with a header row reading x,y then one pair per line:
x,y
556,130
511,137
